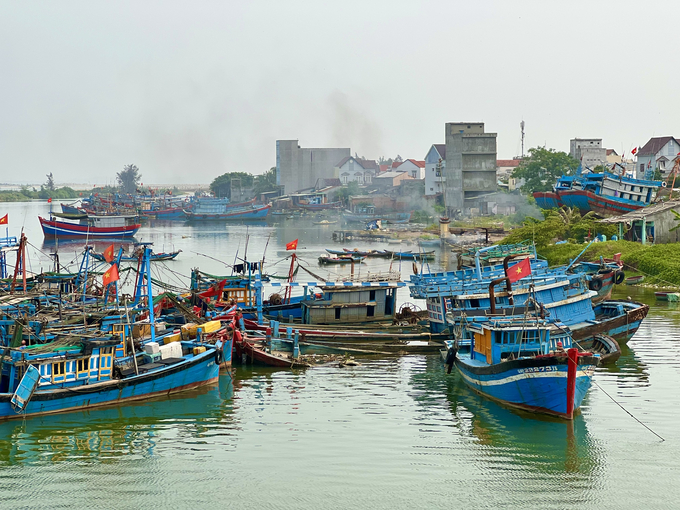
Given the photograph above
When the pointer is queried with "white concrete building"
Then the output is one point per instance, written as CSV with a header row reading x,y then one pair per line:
x,y
435,163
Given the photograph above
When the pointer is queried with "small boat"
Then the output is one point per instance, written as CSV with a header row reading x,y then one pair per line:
x,y
408,255
155,257
320,207
248,212
256,350
324,222
634,280
341,259
114,227
667,296
525,364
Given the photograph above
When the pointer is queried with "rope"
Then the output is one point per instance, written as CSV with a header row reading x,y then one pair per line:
x,y
627,411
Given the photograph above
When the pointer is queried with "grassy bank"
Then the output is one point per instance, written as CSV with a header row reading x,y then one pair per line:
x,y
660,263
25,194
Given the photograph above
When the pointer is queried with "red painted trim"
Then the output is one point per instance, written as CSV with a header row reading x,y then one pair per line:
x,y
87,228
572,366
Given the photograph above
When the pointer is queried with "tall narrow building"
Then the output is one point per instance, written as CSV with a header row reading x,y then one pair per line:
x,y
470,167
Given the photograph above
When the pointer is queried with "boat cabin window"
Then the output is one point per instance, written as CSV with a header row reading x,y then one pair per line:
x,y
371,295
59,368
337,313
370,311
83,365
474,303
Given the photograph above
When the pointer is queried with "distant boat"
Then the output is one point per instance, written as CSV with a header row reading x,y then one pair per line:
x,y
232,214
342,259
407,255
634,280
155,257
404,217
114,227
667,296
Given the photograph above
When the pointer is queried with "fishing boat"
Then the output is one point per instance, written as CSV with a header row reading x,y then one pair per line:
x,y
135,257
115,227
526,364
606,193
320,206
250,212
341,259
408,255
324,222
667,296
634,280
47,380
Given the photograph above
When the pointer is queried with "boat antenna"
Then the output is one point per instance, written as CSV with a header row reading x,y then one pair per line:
x,y
521,125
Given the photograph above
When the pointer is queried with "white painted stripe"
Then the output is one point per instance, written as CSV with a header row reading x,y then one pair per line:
x,y
529,375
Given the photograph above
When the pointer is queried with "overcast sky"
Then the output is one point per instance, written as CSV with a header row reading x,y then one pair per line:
x,y
190,90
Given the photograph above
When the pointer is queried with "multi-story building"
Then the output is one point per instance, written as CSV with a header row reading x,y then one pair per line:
x,y
298,169
470,166
588,151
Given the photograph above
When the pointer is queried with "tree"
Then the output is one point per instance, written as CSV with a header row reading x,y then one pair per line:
x,y
128,178
542,167
50,182
346,192
221,186
265,182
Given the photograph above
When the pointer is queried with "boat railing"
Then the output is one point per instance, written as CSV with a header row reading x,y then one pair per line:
x,y
382,276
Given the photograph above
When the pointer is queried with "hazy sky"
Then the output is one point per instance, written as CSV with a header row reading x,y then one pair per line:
x,y
190,90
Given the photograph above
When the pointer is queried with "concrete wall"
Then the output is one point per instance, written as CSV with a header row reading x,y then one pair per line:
x,y
470,165
298,168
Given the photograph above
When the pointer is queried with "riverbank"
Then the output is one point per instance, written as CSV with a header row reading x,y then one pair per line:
x,y
26,195
659,263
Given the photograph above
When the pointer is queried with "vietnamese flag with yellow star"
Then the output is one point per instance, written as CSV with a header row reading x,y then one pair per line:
x,y
111,275
519,270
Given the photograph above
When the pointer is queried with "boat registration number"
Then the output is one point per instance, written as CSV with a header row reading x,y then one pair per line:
x,y
537,369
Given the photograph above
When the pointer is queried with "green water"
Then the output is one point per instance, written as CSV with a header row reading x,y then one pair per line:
x,y
391,433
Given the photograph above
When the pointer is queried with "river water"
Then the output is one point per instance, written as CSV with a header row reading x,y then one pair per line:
x,y
391,433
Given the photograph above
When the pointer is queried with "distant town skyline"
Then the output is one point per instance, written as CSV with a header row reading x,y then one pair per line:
x,y
188,91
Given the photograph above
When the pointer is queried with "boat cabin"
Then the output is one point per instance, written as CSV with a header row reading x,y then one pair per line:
x,y
501,340
350,305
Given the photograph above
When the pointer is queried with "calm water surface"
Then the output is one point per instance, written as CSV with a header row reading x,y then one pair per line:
x,y
391,433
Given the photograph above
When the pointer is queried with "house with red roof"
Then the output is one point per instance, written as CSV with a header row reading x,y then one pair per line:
x,y
415,168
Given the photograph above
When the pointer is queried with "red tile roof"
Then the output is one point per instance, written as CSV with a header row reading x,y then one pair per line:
x,y
419,164
508,162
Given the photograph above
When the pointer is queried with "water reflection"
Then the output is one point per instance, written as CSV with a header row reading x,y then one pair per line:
x,y
135,430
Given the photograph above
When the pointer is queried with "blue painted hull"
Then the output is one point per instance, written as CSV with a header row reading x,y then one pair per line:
x,y
235,215
196,371
547,200
575,198
538,385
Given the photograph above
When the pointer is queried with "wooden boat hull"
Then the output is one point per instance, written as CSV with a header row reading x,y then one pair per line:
x,y
60,229
196,371
155,257
535,384
634,280
547,199
254,213
260,356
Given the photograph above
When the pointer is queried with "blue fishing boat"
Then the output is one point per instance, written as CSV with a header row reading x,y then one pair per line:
x,y
526,363
605,193
212,209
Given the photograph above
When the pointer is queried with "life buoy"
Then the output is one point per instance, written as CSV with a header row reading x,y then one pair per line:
x,y
595,284
619,276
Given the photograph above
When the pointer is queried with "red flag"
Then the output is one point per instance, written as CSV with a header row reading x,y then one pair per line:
x,y
111,275
49,200
108,254
634,151
4,220
292,245
519,270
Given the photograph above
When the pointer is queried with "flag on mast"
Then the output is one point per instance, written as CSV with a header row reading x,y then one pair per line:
x,y
519,271
4,220
111,275
292,245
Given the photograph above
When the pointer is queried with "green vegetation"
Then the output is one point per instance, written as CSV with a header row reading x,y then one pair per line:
x,y
565,224
221,186
265,182
25,194
351,189
660,262
542,167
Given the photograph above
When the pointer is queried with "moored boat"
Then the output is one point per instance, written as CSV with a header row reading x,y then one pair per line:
x,y
526,364
341,259
114,227
634,280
